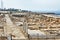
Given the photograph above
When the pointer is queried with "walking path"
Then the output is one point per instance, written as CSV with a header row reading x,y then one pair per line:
x,y
13,29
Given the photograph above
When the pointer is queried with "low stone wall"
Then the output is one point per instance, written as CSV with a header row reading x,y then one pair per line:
x,y
42,39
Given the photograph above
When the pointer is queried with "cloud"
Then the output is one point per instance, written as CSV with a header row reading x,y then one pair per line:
x,y
33,4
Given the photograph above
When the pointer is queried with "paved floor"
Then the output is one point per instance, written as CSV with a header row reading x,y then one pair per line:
x,y
13,29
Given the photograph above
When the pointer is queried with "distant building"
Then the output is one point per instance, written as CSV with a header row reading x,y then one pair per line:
x,y
4,12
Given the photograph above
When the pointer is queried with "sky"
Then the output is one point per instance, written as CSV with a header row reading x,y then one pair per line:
x,y
33,5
